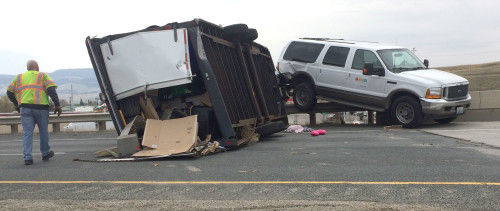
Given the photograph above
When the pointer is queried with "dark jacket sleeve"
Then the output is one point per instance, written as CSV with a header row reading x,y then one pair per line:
x,y
53,95
12,98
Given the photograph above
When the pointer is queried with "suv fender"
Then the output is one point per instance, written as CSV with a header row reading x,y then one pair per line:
x,y
398,93
299,77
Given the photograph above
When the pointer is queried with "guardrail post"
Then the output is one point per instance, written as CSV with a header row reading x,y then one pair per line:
x,y
56,127
101,125
312,119
14,129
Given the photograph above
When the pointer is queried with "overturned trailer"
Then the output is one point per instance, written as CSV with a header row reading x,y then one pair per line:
x,y
188,68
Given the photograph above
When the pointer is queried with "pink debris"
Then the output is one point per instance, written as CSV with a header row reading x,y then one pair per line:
x,y
314,133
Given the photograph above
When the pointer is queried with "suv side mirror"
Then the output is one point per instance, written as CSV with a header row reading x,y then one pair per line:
x,y
426,63
370,70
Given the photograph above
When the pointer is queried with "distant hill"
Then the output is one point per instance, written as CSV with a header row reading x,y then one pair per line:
x,y
83,80
481,76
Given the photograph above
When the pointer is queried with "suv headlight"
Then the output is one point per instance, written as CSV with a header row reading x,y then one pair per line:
x,y
433,93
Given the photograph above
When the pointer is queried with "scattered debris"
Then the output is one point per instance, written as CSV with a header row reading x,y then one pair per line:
x,y
321,132
107,152
294,129
248,136
300,129
393,127
318,132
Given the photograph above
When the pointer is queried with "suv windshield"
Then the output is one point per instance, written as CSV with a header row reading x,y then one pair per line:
x,y
399,60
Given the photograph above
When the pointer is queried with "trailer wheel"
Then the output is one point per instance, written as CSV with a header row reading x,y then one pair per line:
x,y
250,36
445,120
304,96
406,111
234,31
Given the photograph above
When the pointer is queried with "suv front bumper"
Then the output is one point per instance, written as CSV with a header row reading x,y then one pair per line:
x,y
441,107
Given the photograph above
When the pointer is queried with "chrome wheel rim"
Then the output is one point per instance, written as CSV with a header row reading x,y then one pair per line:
x,y
405,113
302,97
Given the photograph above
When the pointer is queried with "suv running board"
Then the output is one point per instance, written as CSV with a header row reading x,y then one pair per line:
x,y
363,106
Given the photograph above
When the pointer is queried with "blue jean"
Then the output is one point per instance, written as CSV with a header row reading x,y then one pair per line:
x,y
30,117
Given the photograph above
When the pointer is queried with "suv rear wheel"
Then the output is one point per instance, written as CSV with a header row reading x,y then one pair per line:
x,y
304,96
406,111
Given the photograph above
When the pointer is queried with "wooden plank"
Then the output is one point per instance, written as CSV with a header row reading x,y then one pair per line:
x,y
148,108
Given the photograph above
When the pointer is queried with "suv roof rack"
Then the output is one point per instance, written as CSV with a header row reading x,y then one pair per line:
x,y
335,40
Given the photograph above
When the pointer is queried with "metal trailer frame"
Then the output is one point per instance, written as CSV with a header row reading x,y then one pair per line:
x,y
238,76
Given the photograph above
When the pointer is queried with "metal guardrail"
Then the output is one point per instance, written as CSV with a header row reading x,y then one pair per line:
x,y
325,107
485,107
99,118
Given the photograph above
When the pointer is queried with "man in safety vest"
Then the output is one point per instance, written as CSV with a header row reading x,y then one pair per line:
x,y
29,92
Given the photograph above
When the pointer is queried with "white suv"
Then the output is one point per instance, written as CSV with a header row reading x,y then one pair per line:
x,y
371,76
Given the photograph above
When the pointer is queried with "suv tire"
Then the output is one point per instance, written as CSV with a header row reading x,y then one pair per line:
x,y
250,36
304,96
445,120
406,111
235,31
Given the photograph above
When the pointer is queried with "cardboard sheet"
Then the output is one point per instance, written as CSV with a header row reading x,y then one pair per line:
x,y
167,137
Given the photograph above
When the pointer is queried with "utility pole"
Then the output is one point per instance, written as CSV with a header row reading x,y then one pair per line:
x,y
71,99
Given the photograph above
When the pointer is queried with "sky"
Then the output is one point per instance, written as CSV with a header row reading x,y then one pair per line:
x,y
447,32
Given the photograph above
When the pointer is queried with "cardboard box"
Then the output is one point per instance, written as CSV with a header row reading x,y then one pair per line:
x,y
167,137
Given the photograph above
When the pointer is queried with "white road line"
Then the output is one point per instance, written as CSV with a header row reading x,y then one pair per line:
x,y
58,139
82,139
460,130
11,141
193,169
34,154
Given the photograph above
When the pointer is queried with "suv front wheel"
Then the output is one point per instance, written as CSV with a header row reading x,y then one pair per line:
x,y
304,96
406,111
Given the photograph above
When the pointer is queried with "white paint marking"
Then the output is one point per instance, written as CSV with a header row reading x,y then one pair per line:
x,y
193,169
33,154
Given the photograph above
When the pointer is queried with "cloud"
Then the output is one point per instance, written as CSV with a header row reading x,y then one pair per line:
x,y
448,32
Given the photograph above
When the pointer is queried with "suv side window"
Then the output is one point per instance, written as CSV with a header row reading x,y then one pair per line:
x,y
336,56
303,52
363,56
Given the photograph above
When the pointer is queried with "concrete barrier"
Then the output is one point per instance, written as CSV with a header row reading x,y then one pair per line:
x,y
485,106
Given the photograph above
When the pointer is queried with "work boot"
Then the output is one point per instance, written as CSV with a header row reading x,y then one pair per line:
x,y
48,156
28,162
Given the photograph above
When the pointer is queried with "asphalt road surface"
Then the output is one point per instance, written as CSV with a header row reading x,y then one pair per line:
x,y
349,168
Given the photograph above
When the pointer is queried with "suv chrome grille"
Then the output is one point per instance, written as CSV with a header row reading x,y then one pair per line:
x,y
456,92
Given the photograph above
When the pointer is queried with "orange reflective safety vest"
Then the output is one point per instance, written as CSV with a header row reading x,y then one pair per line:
x,y
31,87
